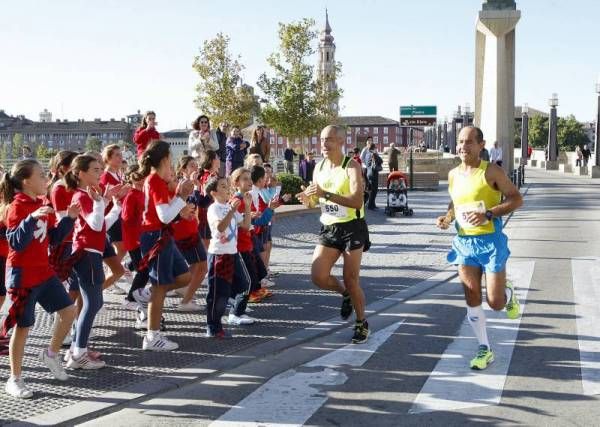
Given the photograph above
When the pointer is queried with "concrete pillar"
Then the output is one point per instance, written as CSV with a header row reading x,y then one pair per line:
x,y
552,162
495,76
595,169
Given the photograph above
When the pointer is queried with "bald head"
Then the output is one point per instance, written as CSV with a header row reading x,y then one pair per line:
x,y
334,131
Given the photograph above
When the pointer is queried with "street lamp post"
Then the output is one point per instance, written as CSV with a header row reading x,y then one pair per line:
x,y
552,160
595,170
524,139
446,133
457,116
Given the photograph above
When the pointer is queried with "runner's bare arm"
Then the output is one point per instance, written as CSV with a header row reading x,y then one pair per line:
x,y
444,221
497,178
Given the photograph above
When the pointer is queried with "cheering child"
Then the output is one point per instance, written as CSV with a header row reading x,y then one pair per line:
x,y
227,274
169,270
31,226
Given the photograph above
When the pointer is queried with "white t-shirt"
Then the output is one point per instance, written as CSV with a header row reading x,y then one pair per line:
x,y
226,242
495,154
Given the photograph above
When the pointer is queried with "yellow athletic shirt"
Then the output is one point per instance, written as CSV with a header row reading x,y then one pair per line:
x,y
471,192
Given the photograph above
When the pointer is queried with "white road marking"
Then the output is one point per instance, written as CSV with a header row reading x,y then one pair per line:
x,y
452,384
586,288
292,397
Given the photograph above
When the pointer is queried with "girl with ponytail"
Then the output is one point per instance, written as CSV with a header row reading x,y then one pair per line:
x,y
30,228
89,241
168,271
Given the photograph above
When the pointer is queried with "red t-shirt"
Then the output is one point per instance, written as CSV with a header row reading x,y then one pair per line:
x,y
244,237
156,192
61,197
143,137
84,237
3,242
33,259
108,178
131,216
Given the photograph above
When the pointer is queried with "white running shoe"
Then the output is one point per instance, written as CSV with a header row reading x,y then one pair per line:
x,y
130,305
17,388
117,290
189,307
244,319
172,294
142,295
84,362
266,283
54,365
181,291
159,343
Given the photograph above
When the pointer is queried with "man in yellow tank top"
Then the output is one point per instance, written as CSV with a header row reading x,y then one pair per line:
x,y
338,189
481,194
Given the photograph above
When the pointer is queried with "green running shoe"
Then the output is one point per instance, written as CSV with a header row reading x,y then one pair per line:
x,y
513,308
361,332
484,357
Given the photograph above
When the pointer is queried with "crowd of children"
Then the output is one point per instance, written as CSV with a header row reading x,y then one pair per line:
x,y
174,227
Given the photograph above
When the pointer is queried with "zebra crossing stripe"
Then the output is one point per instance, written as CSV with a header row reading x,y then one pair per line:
x,y
292,397
586,282
453,385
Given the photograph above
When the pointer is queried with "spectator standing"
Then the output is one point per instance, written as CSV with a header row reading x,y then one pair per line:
x,y
237,149
202,138
393,158
146,133
259,144
586,155
288,156
374,166
222,132
578,156
496,154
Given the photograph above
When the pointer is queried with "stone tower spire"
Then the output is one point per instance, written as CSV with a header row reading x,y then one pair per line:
x,y
327,55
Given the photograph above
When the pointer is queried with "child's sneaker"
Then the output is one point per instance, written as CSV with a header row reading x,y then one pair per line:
x,y
17,388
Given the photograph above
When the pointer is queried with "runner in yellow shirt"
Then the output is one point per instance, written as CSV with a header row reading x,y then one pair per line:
x,y
338,189
477,189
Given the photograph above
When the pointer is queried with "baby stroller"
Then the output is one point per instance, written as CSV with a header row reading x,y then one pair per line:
x,y
397,196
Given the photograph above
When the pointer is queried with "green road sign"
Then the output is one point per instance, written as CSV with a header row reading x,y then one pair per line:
x,y
418,111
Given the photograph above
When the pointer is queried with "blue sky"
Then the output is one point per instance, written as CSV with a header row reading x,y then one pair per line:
x,y
83,59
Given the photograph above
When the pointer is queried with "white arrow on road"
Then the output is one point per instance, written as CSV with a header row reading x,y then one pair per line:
x,y
452,384
586,288
293,396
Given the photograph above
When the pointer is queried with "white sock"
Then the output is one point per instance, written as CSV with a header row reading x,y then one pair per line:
x,y
78,352
476,317
152,334
14,378
509,294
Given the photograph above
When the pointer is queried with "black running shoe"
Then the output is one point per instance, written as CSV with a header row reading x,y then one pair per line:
x,y
346,309
361,332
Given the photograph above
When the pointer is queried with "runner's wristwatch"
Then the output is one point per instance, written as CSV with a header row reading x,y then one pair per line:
x,y
327,195
489,215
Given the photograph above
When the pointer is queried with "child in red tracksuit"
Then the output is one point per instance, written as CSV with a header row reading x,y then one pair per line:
x,y
242,183
31,226
260,209
131,229
187,238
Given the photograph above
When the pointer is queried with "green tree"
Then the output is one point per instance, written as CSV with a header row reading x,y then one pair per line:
x,y
42,152
17,145
298,103
93,144
538,131
571,133
221,93
3,152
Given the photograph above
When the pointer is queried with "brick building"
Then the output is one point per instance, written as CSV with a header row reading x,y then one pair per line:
x,y
65,134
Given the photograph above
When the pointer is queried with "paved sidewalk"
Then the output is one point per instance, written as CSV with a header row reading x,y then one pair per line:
x,y
405,251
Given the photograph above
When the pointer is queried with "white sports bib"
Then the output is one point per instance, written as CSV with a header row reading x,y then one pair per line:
x,y
461,212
